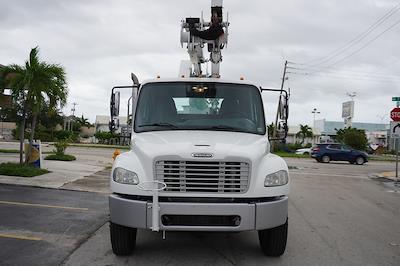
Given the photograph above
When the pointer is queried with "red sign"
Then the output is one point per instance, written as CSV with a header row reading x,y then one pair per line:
x,y
395,114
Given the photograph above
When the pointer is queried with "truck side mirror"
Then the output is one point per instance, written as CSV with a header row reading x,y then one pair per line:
x,y
282,130
114,103
113,124
283,108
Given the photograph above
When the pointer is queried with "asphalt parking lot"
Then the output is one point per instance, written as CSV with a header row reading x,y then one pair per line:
x,y
339,214
44,226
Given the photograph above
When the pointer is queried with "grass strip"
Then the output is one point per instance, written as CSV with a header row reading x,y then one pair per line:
x,y
99,146
60,157
291,155
15,169
9,151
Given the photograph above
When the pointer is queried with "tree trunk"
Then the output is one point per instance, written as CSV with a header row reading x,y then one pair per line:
x,y
22,136
28,154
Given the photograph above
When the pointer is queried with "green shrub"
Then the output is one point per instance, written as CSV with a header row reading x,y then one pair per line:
x,y
105,137
308,145
352,137
61,146
60,157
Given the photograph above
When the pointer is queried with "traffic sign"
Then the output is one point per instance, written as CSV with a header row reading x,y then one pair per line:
x,y
395,129
395,114
395,99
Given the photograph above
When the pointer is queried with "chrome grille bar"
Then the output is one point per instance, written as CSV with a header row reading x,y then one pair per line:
x,y
203,176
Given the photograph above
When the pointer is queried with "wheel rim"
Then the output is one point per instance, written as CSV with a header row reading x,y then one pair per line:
x,y
325,159
360,160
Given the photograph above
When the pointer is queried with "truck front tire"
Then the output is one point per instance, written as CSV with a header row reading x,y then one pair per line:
x,y
123,239
273,241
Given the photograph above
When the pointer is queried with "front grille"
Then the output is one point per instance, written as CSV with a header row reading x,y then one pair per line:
x,y
203,176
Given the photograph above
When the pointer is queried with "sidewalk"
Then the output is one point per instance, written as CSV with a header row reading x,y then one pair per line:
x,y
61,173
389,175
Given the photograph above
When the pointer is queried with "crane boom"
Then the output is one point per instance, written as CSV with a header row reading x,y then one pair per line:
x,y
195,44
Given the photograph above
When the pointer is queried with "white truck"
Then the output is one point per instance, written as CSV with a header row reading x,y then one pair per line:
x,y
200,155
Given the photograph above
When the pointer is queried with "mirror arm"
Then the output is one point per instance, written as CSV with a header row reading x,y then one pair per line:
x,y
286,96
112,102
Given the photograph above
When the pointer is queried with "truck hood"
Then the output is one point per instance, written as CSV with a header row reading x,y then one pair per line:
x,y
221,145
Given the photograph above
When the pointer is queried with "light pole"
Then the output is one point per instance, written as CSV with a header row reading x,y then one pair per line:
x,y
315,112
73,108
351,95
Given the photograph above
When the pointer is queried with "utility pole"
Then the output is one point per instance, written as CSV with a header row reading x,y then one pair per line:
x,y
279,102
73,109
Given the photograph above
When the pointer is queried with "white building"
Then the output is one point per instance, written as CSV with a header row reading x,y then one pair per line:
x,y
376,133
293,130
102,123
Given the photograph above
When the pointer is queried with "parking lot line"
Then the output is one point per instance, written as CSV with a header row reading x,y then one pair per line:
x,y
43,205
21,237
325,174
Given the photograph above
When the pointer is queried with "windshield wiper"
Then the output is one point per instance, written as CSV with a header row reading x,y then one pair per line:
x,y
168,125
223,127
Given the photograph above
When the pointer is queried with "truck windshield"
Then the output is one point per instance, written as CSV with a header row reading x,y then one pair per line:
x,y
200,106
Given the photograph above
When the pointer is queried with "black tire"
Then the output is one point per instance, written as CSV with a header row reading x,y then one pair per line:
x,y
325,159
273,241
123,239
360,160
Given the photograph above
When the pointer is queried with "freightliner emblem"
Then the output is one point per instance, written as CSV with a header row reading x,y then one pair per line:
x,y
202,155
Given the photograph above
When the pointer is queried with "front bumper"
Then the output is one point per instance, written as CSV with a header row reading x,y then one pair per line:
x,y
252,216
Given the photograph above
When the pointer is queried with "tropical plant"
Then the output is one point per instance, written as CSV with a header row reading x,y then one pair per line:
x,y
271,128
61,146
83,122
305,132
352,137
33,85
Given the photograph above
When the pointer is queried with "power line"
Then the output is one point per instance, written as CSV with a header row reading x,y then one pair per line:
x,y
355,40
323,68
343,76
365,45
311,70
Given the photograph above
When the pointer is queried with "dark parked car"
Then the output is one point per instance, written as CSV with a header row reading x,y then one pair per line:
x,y
337,152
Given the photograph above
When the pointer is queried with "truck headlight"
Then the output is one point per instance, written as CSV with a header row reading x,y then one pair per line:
x,y
279,178
123,176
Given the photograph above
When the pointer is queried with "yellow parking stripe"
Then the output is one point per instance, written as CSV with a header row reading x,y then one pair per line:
x,y
43,205
21,237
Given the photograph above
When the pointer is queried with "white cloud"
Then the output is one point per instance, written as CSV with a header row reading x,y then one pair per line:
x,y
101,42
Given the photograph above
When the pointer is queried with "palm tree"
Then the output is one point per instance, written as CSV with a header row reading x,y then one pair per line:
x,y
271,128
305,132
33,85
83,122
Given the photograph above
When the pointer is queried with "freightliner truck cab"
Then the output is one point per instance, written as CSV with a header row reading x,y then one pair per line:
x,y
200,159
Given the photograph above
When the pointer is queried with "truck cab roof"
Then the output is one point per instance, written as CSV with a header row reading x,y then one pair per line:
x,y
197,79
